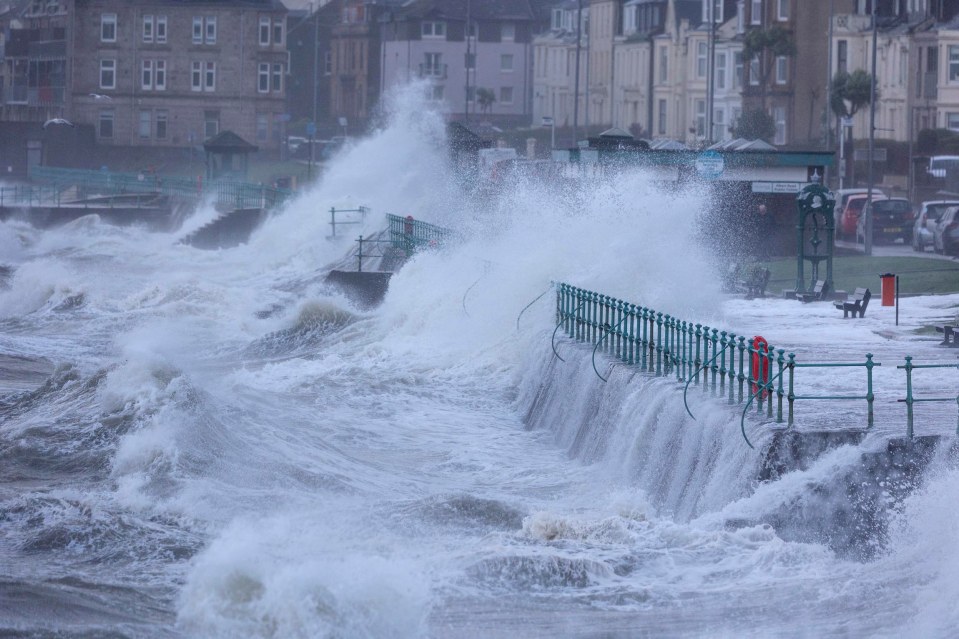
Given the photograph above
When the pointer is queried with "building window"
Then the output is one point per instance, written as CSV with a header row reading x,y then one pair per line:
x,y
470,60
108,27
741,16
209,77
719,124
108,74
842,56
754,71
161,125
782,10
507,32
278,31
433,30
700,124
262,127
701,55
328,63
210,33
717,9
506,95
738,73
756,12
264,31
433,66
663,65
557,23
196,76
782,69
148,28
779,116
435,93
146,125
146,75
263,78
159,78
953,63
661,129
197,30
506,62
721,70
161,30
277,76
105,128
211,123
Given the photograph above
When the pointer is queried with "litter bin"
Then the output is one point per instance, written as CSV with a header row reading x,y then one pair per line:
x,y
888,289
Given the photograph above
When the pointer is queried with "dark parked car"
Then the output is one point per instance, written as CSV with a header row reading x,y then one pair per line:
x,y
892,220
926,220
946,238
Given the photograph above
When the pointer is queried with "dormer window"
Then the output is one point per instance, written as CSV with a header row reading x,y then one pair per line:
x,y
433,29
557,22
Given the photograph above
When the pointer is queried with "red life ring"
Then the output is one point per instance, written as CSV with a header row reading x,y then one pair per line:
x,y
759,342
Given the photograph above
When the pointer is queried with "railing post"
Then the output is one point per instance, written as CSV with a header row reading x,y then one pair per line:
x,y
659,343
742,364
909,398
731,344
792,395
333,219
644,345
779,392
722,361
715,352
768,384
869,395
359,257
699,353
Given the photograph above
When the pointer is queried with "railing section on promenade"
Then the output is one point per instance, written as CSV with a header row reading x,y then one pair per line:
x,y
224,192
409,234
742,370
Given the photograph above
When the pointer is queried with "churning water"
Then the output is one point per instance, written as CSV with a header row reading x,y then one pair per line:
x,y
213,444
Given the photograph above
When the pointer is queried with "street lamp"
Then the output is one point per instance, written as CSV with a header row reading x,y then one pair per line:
x,y
846,123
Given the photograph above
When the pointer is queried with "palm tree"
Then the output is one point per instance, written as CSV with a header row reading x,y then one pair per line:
x,y
766,45
850,93
485,98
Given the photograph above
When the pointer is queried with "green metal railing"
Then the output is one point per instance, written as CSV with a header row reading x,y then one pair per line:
x,y
740,370
409,234
911,399
224,192
361,210
29,195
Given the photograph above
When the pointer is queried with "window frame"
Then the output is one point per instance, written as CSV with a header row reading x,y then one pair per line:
x,y
782,70
437,29
756,12
160,35
108,20
161,116
264,31
149,125
106,117
782,10
146,74
197,29
209,76
148,29
503,58
112,70
276,77
159,75
209,30
503,91
196,76
263,77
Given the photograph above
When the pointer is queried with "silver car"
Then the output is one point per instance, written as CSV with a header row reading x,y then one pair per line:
x,y
928,218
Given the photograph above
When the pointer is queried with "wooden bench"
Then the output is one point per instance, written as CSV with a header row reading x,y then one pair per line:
x,y
855,304
818,293
755,286
948,335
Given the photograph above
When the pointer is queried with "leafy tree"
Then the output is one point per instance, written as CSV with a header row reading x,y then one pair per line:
x,y
485,98
754,125
766,45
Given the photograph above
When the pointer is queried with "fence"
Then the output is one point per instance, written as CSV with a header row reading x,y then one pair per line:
x,y
409,234
743,371
240,195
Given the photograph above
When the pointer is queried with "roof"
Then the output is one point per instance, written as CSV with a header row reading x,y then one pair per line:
x,y
479,9
228,142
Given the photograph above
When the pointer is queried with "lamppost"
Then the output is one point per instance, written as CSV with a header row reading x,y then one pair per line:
x,y
846,124
867,209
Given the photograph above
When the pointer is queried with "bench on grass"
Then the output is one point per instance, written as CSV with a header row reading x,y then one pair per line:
x,y
755,286
818,293
855,304
948,335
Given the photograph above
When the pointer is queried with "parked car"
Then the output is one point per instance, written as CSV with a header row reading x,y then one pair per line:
x,y
928,217
946,236
892,219
849,218
938,165
842,196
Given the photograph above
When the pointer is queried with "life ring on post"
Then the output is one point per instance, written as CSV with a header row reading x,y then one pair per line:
x,y
760,368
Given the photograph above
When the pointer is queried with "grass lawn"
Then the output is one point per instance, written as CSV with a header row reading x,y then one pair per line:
x,y
917,275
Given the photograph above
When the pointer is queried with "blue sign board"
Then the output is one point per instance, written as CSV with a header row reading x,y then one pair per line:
x,y
311,129
710,165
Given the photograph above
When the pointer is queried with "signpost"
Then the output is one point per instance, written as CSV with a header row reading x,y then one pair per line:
x,y
311,133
